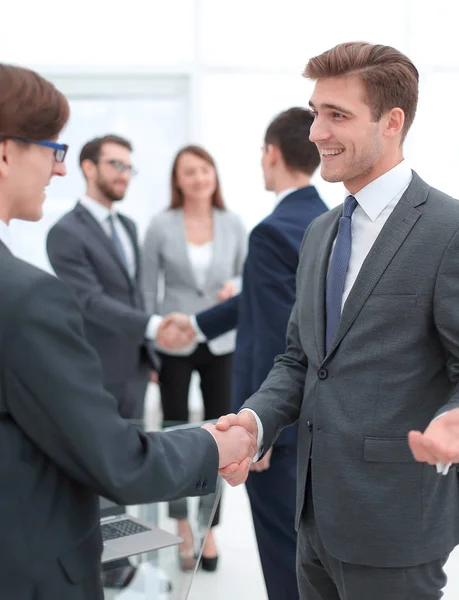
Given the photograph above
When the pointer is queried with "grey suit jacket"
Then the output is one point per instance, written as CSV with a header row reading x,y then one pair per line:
x,y
393,365
63,443
115,320
165,255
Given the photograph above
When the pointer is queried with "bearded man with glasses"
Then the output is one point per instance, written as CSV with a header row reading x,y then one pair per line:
x,y
94,249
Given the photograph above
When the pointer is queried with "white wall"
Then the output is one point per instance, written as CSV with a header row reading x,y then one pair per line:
x,y
244,60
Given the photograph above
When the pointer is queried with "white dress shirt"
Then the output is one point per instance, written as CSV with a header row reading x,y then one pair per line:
x,y
376,201
101,213
200,256
5,235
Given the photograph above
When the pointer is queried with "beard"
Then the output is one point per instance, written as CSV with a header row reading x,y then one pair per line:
x,y
109,191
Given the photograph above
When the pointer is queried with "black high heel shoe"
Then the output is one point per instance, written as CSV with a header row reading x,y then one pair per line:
x,y
209,563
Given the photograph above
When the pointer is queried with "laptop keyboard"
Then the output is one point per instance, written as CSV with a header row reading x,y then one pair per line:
x,y
112,531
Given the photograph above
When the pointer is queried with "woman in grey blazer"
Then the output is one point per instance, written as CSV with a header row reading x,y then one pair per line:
x,y
196,250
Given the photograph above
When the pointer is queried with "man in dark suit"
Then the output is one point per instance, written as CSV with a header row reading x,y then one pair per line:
x,y
62,440
261,314
94,250
372,346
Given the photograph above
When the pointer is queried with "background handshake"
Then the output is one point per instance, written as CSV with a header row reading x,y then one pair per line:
x,y
176,331
236,437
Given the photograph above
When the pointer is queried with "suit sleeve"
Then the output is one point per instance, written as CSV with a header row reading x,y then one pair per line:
x,y
72,265
278,401
220,318
51,379
271,266
446,315
270,295
151,266
241,254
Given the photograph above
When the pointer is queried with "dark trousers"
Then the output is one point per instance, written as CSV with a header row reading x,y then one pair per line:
x,y
174,384
323,577
272,496
58,585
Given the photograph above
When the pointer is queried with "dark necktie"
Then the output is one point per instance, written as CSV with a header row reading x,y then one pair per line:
x,y
338,269
117,241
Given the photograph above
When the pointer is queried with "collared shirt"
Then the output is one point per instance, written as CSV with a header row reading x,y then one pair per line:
x,y
376,201
5,235
100,213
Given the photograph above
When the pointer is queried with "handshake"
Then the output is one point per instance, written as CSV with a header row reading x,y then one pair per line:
x,y
236,437
176,332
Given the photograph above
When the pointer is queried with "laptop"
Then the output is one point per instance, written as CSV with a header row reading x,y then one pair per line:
x,y
125,536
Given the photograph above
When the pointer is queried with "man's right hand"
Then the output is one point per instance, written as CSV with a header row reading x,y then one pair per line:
x,y
244,419
236,449
175,332
233,474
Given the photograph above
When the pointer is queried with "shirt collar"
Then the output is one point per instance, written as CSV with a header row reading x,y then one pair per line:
x,y
98,210
5,235
281,195
376,196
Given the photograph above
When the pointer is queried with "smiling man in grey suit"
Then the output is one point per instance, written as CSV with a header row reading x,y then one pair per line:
x,y
372,346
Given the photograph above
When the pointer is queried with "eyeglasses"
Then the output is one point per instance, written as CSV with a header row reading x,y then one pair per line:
x,y
121,167
60,150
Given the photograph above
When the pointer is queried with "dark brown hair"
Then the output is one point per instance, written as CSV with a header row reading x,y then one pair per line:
x,y
91,150
390,78
289,131
30,106
176,192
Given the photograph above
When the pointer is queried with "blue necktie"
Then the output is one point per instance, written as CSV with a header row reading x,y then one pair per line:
x,y
117,241
338,269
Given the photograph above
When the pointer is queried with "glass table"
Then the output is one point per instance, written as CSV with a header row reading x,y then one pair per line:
x,y
157,575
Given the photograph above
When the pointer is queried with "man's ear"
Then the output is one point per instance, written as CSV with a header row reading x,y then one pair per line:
x,y
273,154
88,168
394,122
4,157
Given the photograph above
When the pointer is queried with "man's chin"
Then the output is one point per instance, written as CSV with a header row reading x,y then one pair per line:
x,y
331,177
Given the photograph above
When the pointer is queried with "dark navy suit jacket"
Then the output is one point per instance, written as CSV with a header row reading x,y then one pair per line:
x,y
262,310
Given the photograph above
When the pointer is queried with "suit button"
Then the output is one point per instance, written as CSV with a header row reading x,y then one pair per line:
x,y
199,486
205,484
200,293
322,373
309,425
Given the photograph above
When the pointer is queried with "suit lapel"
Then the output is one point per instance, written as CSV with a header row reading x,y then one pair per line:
x,y
392,236
99,236
127,224
182,246
320,279
217,248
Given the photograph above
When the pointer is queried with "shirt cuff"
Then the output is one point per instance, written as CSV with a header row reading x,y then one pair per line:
x,y
200,337
260,434
152,327
441,415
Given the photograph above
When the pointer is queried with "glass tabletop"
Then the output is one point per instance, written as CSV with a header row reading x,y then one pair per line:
x,y
157,575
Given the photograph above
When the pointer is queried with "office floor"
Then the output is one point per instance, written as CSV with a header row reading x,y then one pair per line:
x,y
239,574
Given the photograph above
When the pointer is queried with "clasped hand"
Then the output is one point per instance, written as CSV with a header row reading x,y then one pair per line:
x,y
236,437
176,332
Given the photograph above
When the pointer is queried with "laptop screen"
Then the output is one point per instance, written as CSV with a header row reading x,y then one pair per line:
x,y
109,508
